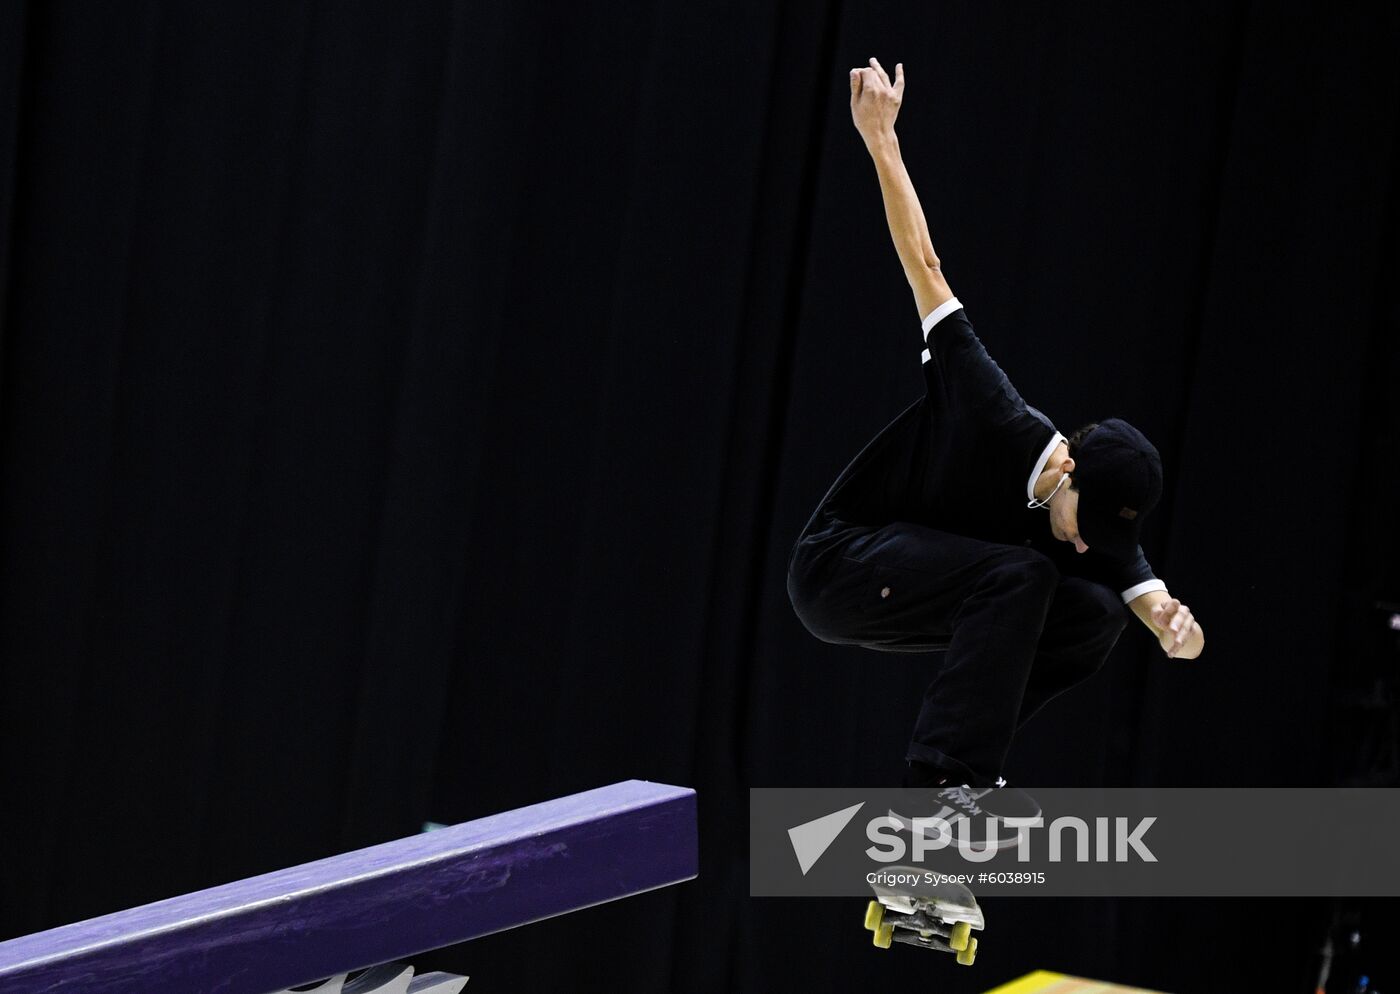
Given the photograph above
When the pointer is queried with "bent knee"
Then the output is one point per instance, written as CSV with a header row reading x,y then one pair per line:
x,y
1024,570
804,595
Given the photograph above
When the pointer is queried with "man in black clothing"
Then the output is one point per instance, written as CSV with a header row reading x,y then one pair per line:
x,y
952,529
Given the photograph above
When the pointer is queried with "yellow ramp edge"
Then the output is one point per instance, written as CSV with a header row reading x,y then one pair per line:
x,y
1029,984
1045,982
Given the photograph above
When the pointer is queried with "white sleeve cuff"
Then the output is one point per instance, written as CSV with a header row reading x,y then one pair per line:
x,y
939,313
1146,587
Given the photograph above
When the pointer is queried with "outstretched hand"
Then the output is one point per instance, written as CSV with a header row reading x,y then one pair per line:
x,y
875,100
1175,623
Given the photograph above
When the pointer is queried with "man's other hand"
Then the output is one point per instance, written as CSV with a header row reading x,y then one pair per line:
x,y
875,100
1175,625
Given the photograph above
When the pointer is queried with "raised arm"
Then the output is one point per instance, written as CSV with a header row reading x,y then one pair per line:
x,y
875,104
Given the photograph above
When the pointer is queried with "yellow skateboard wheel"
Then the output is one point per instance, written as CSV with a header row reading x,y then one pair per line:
x,y
874,915
966,956
884,936
958,937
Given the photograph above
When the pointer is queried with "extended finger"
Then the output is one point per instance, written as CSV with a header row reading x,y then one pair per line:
x,y
899,79
880,70
1179,639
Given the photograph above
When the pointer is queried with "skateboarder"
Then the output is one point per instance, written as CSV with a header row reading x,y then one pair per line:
x,y
969,524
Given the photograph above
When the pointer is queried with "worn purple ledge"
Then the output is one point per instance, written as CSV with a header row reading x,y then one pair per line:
x,y
384,903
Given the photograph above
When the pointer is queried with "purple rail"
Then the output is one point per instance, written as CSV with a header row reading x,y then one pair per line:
x,y
368,907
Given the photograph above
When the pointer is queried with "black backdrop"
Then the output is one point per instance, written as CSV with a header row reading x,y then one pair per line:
x,y
408,409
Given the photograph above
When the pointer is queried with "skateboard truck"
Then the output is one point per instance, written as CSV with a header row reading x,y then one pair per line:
x,y
940,917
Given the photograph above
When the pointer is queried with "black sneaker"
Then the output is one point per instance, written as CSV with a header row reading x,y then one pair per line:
x,y
967,809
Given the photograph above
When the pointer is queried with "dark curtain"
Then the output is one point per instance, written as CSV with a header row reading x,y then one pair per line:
x,y
408,410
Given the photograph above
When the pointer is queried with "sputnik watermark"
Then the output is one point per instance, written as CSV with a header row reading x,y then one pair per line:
x,y
936,834
1078,842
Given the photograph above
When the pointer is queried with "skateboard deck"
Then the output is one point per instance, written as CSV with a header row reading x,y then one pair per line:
x,y
937,916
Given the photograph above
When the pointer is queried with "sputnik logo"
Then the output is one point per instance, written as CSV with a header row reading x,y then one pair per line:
x,y
812,838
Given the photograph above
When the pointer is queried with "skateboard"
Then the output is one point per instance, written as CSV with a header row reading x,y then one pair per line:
x,y
942,916
932,916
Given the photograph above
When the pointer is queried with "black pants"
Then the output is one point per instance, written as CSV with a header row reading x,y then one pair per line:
x,y
1016,632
